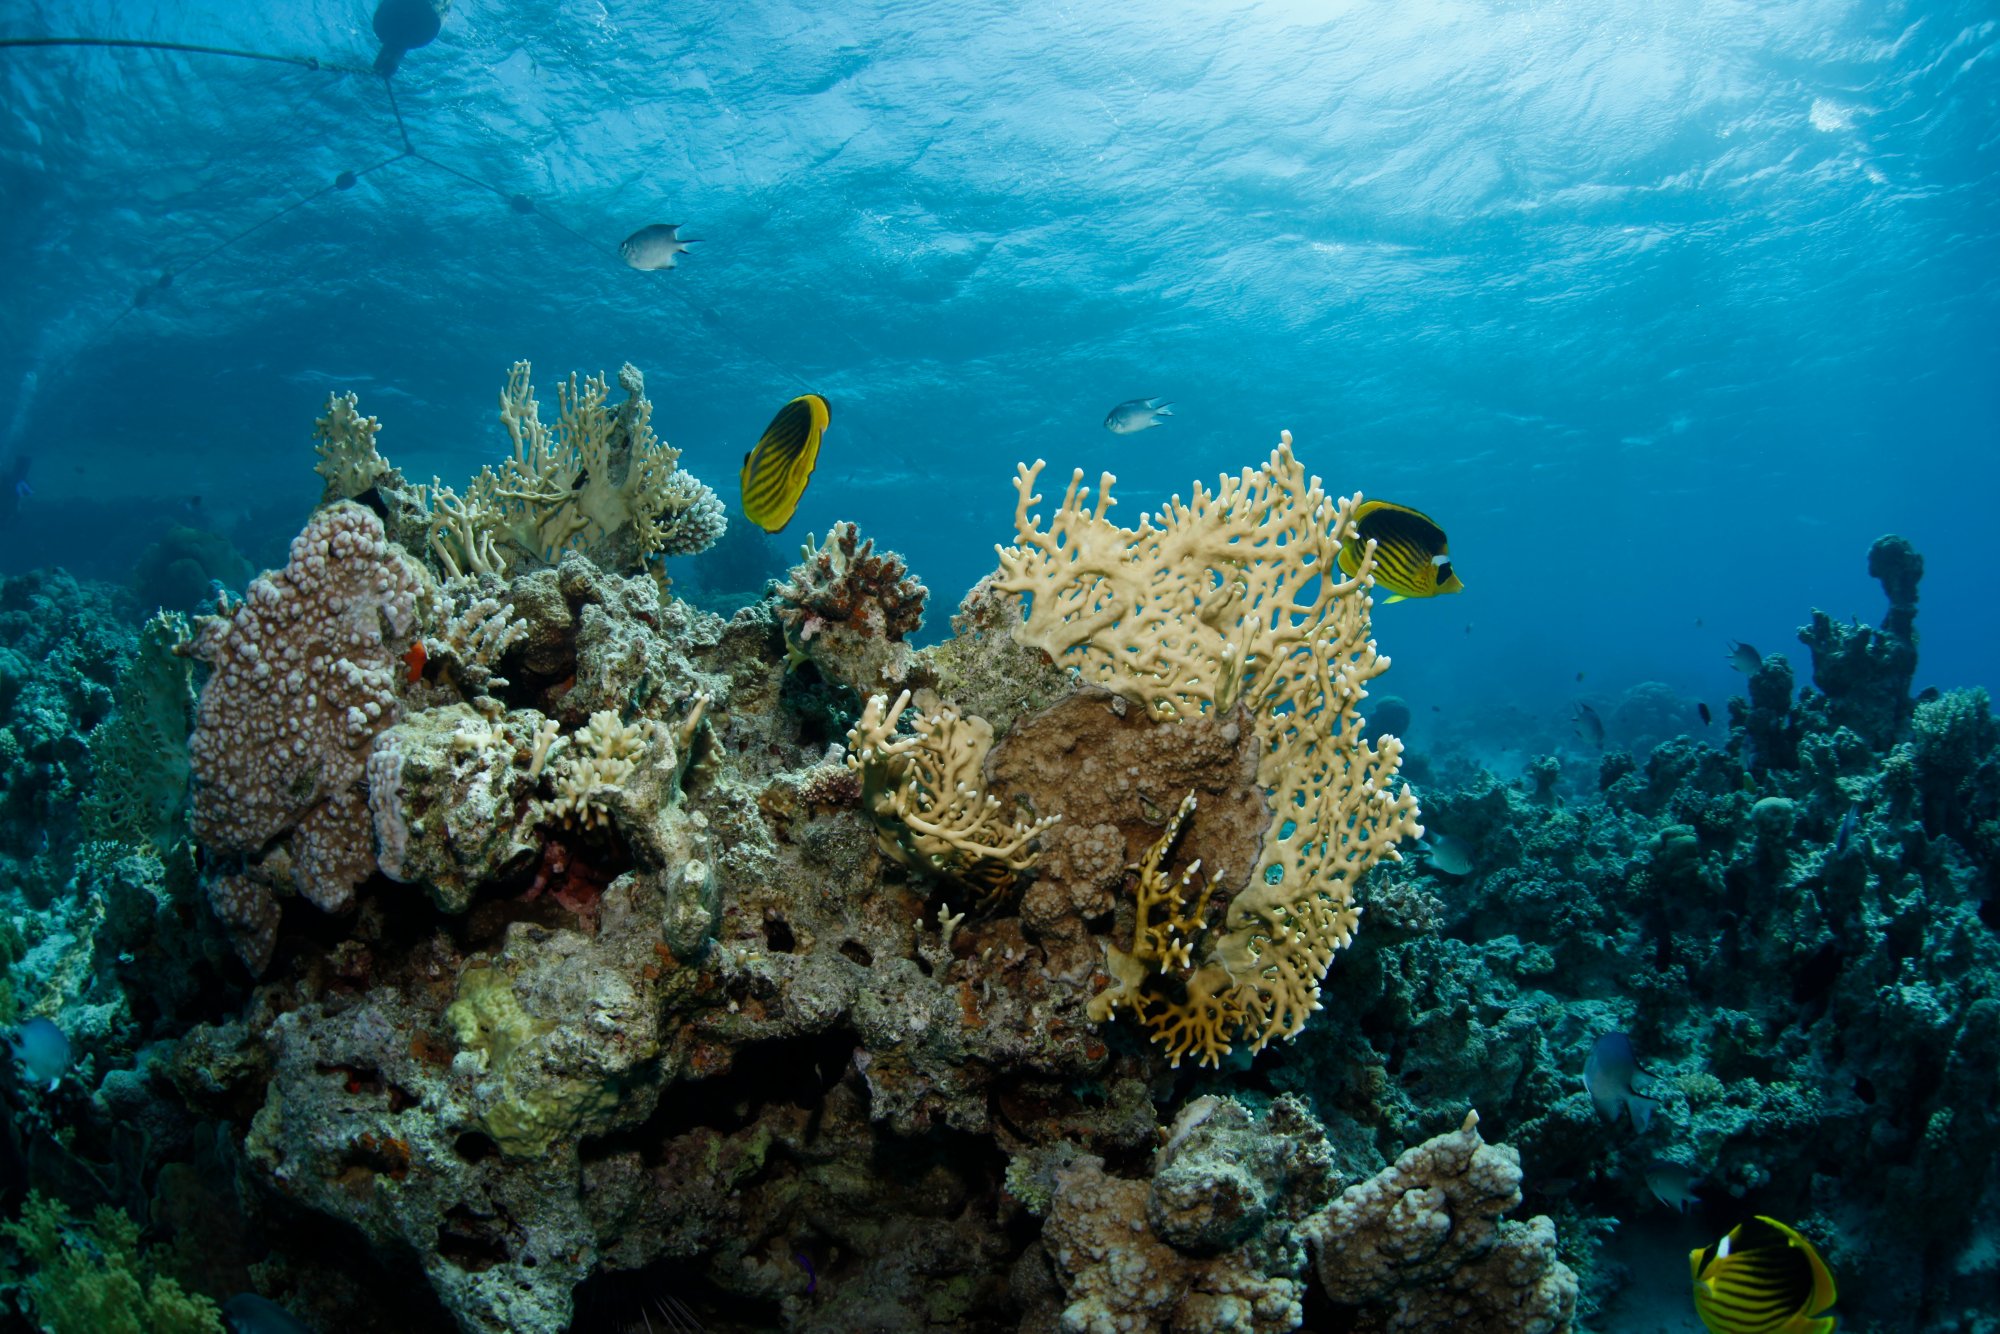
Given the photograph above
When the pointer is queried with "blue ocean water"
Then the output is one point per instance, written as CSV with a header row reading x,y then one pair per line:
x,y
1664,311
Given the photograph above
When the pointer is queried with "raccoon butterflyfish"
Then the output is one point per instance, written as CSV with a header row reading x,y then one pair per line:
x,y
775,473
1410,551
1762,1278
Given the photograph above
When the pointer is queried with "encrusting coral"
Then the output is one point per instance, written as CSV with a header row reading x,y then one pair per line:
x,y
1233,596
1424,1244
302,678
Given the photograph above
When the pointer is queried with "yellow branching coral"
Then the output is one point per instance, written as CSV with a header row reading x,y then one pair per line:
x,y
1165,932
926,792
1235,596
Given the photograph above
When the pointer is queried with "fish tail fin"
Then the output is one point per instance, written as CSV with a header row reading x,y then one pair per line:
x,y
1641,1110
1163,409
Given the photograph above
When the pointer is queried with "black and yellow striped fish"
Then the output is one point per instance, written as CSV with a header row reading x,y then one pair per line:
x,y
1762,1278
775,473
1410,551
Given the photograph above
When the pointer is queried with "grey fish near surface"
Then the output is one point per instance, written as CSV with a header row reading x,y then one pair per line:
x,y
1672,1184
1589,727
1608,1073
655,247
1137,414
1744,658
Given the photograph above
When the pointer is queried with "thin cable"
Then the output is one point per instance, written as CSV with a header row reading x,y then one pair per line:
x,y
395,109
267,221
303,62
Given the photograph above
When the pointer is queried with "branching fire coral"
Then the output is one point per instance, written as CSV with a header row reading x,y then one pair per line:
x,y
1236,595
345,439
926,793
599,481
1164,934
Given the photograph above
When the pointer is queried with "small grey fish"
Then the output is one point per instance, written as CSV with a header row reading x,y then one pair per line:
x,y
1453,856
1848,824
41,1050
1589,727
1608,1073
1672,1184
656,246
1137,414
1744,658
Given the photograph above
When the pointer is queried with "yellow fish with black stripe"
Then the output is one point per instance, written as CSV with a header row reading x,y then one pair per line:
x,y
1762,1278
775,473
1410,551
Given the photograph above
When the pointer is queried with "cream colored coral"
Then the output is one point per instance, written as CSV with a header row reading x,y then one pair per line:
x,y
926,791
461,529
600,757
479,628
580,484
346,443
1424,1244
1236,595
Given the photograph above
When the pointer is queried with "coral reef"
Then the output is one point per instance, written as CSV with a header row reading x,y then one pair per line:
x,y
1424,1239
597,950
94,1279
852,612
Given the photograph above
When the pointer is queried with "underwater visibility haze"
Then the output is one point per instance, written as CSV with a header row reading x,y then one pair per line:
x,y
572,756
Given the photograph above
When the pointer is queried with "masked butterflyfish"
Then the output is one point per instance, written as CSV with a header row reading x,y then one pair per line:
x,y
1410,551
1762,1278
775,473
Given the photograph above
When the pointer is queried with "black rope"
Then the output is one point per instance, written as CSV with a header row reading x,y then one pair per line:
x,y
303,62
